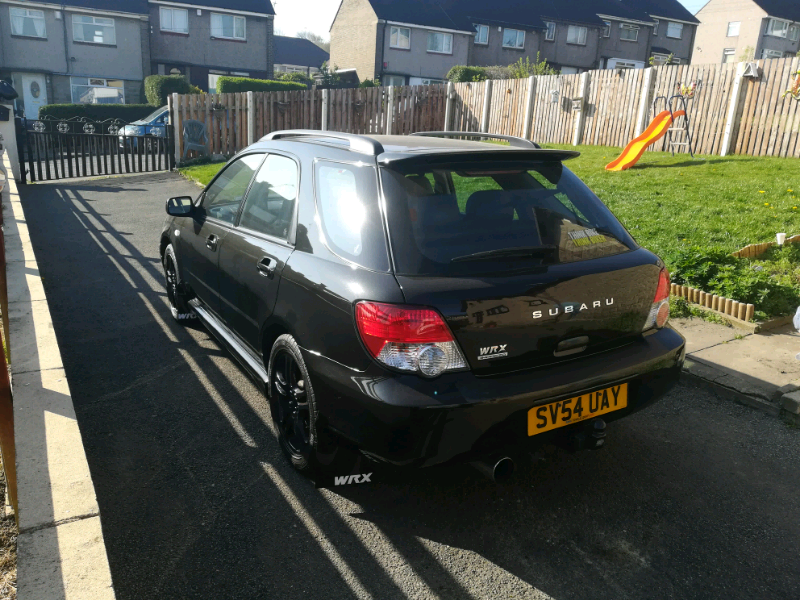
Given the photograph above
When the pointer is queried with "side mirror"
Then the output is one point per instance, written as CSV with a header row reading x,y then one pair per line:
x,y
180,206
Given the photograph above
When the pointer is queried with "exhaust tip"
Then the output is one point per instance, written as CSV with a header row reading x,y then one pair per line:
x,y
498,470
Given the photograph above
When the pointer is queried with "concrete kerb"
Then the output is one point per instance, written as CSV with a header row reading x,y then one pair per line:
x,y
61,550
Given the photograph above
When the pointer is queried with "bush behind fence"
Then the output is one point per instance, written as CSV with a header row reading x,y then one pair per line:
x,y
729,113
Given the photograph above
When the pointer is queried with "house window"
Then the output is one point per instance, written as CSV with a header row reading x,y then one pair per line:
x,y
397,80
771,54
733,28
728,55
607,29
576,35
27,22
675,30
514,38
794,33
401,38
89,90
661,59
629,33
228,27
481,34
551,31
441,43
94,30
624,65
655,27
777,28
174,19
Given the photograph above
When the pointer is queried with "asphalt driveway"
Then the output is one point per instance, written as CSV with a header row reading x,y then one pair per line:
x,y
692,498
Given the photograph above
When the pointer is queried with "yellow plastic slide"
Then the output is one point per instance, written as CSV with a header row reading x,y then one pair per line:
x,y
633,151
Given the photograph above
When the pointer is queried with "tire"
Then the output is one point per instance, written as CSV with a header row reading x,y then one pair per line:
x,y
178,302
306,445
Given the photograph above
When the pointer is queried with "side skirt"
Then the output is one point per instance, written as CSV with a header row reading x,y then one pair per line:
x,y
250,361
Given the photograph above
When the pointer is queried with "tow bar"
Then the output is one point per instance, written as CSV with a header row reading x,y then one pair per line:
x,y
591,437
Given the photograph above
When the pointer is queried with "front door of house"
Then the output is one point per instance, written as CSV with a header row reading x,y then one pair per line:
x,y
34,93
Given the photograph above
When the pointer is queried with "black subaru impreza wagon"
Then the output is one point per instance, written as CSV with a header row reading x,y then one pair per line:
x,y
422,299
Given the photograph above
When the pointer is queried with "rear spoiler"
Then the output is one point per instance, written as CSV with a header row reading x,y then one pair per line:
x,y
467,156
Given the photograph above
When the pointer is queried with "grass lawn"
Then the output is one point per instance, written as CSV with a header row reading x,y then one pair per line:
x,y
670,203
202,174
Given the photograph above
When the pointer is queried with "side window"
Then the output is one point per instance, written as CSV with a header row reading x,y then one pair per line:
x,y
270,203
347,202
223,197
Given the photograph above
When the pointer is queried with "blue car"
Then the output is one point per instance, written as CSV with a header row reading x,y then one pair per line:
x,y
154,124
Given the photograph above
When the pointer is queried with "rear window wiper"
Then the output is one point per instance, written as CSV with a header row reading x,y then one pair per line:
x,y
521,252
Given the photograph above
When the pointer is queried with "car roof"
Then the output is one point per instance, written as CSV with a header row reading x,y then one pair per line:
x,y
394,148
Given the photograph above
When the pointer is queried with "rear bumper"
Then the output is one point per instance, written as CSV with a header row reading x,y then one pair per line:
x,y
408,420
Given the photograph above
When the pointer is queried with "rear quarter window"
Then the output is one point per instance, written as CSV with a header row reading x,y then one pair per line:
x,y
350,218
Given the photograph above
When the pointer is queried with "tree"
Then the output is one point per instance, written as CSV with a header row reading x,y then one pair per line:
x,y
328,78
316,39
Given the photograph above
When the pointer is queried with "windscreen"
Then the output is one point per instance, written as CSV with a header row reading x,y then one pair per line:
x,y
452,221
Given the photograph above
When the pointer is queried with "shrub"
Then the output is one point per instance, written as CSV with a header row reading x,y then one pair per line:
x,y
370,83
96,112
228,85
157,88
522,69
462,73
296,77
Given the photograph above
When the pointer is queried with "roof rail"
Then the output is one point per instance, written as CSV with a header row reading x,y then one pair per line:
x,y
516,142
358,143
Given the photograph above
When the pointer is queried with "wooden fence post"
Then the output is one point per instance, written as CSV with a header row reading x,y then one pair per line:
x,y
325,107
449,104
389,109
580,118
251,119
733,110
487,106
175,120
648,81
528,128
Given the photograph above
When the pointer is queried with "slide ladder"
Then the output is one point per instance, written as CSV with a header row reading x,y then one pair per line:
x,y
680,123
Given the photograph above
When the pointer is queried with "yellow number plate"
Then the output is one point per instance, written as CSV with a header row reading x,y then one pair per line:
x,y
573,410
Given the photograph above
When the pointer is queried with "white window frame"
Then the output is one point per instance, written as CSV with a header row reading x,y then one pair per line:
x,y
445,44
172,11
794,33
398,30
670,25
580,32
728,52
737,25
27,13
89,84
517,45
774,32
625,65
655,27
607,29
765,53
629,27
478,30
234,17
657,56
550,34
106,22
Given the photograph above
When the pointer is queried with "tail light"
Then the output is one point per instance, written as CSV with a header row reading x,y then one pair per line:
x,y
659,312
408,338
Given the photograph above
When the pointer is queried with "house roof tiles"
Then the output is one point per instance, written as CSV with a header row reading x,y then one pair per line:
x,y
262,7
300,52
783,9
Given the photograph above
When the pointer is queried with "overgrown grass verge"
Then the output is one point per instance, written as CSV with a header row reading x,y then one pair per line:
x,y
201,173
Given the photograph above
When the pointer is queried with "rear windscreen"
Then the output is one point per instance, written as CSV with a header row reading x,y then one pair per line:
x,y
449,221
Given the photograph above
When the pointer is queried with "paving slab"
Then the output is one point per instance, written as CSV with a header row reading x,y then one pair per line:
x,y
61,562
701,334
34,344
32,288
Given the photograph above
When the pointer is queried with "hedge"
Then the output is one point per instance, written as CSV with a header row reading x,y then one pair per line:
x,y
96,112
228,85
462,73
157,88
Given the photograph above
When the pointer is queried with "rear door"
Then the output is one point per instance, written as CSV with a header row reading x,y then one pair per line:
x,y
255,252
525,263
203,236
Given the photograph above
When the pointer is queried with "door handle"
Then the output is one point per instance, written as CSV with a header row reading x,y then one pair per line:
x,y
211,242
266,267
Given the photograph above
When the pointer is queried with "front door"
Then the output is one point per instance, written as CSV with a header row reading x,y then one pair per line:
x,y
252,259
34,93
203,236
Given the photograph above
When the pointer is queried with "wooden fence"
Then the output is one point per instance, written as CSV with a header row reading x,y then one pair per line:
x,y
729,112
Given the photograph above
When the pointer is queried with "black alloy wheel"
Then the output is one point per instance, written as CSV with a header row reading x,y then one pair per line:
x,y
293,417
178,304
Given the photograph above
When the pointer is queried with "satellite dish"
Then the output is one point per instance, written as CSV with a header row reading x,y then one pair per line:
x,y
7,92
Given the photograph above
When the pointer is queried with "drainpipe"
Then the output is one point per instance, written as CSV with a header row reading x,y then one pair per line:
x,y
66,42
383,52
